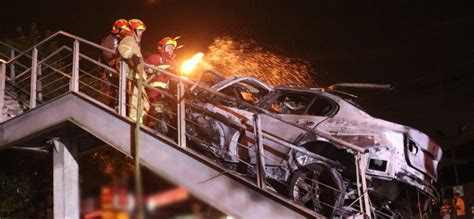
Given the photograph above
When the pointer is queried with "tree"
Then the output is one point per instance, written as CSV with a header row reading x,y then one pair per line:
x,y
26,183
26,177
25,40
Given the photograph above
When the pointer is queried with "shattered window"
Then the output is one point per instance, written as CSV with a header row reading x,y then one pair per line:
x,y
320,107
291,103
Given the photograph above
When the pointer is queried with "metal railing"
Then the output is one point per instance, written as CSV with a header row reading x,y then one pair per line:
x,y
69,70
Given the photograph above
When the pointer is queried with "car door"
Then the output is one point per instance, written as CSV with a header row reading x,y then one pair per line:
x,y
248,90
294,109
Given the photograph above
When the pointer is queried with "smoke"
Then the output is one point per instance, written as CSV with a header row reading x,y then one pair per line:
x,y
239,58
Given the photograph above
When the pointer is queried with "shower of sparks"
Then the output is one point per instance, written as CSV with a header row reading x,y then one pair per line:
x,y
238,58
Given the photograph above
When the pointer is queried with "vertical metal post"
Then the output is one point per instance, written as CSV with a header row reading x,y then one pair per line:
x,y
122,102
3,68
181,116
139,116
74,84
359,186
455,168
261,175
12,66
34,68
39,88
363,183
65,180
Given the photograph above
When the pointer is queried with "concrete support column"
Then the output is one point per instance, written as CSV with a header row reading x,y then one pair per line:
x,y
66,179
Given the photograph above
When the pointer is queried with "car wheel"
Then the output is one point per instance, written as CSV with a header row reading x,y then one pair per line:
x,y
319,187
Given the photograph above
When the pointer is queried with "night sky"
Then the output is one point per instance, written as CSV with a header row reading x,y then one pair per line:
x,y
424,48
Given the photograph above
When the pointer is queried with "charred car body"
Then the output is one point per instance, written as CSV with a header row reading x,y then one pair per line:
x,y
401,162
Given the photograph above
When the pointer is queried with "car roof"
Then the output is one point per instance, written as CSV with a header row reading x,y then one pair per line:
x,y
316,90
226,82
320,91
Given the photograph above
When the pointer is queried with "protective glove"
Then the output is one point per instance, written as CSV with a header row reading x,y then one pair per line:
x,y
135,60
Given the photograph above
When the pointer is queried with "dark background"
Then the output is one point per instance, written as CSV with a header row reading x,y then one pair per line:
x,y
424,48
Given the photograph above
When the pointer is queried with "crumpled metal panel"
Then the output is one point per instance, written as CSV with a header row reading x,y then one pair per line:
x,y
384,141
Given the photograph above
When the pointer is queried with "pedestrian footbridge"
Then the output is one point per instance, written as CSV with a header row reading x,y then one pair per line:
x,y
65,98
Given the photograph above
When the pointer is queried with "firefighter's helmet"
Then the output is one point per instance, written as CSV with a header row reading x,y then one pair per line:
x,y
119,26
125,32
165,42
136,24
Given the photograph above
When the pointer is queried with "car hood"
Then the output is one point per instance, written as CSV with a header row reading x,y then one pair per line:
x,y
420,151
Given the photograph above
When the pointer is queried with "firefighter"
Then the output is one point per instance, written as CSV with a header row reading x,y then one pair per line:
x,y
119,30
459,207
129,49
164,59
445,210
106,202
111,41
124,202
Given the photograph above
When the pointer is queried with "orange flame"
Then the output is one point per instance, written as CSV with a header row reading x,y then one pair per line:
x,y
189,65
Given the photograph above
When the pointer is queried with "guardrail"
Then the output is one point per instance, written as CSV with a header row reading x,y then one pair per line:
x,y
67,70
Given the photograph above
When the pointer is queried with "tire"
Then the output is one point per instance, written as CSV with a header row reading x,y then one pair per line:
x,y
310,186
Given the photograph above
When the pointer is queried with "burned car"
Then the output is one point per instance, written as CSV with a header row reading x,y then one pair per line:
x,y
400,162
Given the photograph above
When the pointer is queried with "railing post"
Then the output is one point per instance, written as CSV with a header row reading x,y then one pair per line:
x,y
39,88
34,68
359,186
261,175
122,102
181,116
74,84
3,68
12,67
362,185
